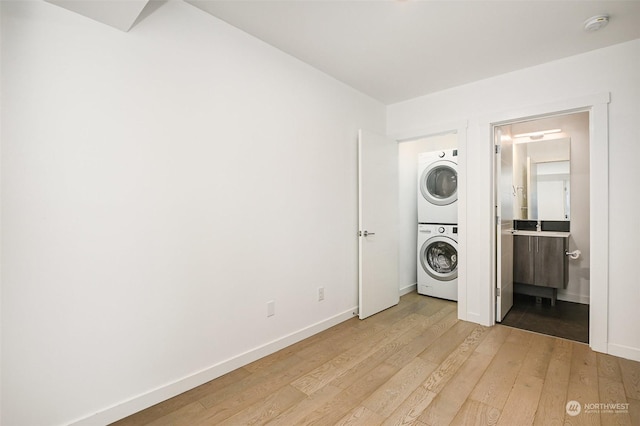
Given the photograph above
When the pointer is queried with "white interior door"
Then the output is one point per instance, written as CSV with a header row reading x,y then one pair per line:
x,y
377,223
505,197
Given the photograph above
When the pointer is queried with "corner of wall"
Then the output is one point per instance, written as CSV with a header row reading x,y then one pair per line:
x,y
170,390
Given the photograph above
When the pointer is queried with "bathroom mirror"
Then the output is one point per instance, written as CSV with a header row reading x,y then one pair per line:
x,y
541,179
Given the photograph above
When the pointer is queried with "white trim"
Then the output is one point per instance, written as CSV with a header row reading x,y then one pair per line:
x,y
597,105
460,128
477,318
411,288
463,313
485,129
539,111
599,226
145,400
624,351
428,131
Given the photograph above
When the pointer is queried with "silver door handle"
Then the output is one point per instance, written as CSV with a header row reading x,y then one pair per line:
x,y
367,233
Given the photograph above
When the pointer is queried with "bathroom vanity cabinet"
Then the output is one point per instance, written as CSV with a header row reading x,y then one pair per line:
x,y
540,265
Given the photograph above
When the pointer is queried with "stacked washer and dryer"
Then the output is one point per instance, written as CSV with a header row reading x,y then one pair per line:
x,y
438,224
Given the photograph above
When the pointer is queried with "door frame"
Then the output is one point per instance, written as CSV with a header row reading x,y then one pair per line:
x,y
460,129
598,108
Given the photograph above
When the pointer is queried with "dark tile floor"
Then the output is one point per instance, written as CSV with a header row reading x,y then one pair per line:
x,y
567,320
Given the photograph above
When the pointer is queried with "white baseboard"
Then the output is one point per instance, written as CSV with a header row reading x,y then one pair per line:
x,y
162,393
624,351
408,289
476,318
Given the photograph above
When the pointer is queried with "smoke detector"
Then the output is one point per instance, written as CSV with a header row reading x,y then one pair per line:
x,y
596,22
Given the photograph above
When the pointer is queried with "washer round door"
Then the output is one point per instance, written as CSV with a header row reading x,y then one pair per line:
x,y
439,258
439,183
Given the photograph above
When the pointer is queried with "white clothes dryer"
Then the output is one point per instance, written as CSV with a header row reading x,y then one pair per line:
x,y
438,187
438,261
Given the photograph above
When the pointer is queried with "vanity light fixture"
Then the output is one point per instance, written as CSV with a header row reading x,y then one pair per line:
x,y
537,135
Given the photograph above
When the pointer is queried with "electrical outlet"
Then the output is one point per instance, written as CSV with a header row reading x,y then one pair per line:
x,y
271,308
320,294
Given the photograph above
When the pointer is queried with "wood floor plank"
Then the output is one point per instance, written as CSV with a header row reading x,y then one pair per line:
x,y
340,341
446,343
537,360
183,416
393,347
448,402
583,384
448,368
349,376
411,408
326,373
474,413
520,337
390,395
334,338
423,341
520,408
612,392
410,305
634,411
220,407
266,409
491,344
296,413
360,416
283,368
552,405
424,322
349,398
608,367
630,377
430,305
494,386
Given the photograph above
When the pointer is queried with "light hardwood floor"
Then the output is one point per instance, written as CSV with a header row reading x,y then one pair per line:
x,y
414,364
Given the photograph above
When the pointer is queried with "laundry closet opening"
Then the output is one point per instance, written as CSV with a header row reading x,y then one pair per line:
x,y
428,209
542,181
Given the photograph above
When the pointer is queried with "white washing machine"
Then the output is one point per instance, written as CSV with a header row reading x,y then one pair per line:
x,y
438,261
438,187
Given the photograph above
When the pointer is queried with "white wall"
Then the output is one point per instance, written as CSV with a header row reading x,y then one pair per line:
x,y
158,188
615,70
408,209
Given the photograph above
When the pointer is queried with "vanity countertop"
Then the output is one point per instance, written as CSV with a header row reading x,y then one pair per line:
x,y
556,234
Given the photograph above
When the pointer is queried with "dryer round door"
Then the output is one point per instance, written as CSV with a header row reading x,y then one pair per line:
x,y
439,258
439,183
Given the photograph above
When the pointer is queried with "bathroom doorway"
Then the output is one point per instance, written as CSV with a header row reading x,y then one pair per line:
x,y
542,178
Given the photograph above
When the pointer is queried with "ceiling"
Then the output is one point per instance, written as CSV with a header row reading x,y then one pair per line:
x,y
396,50
119,14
